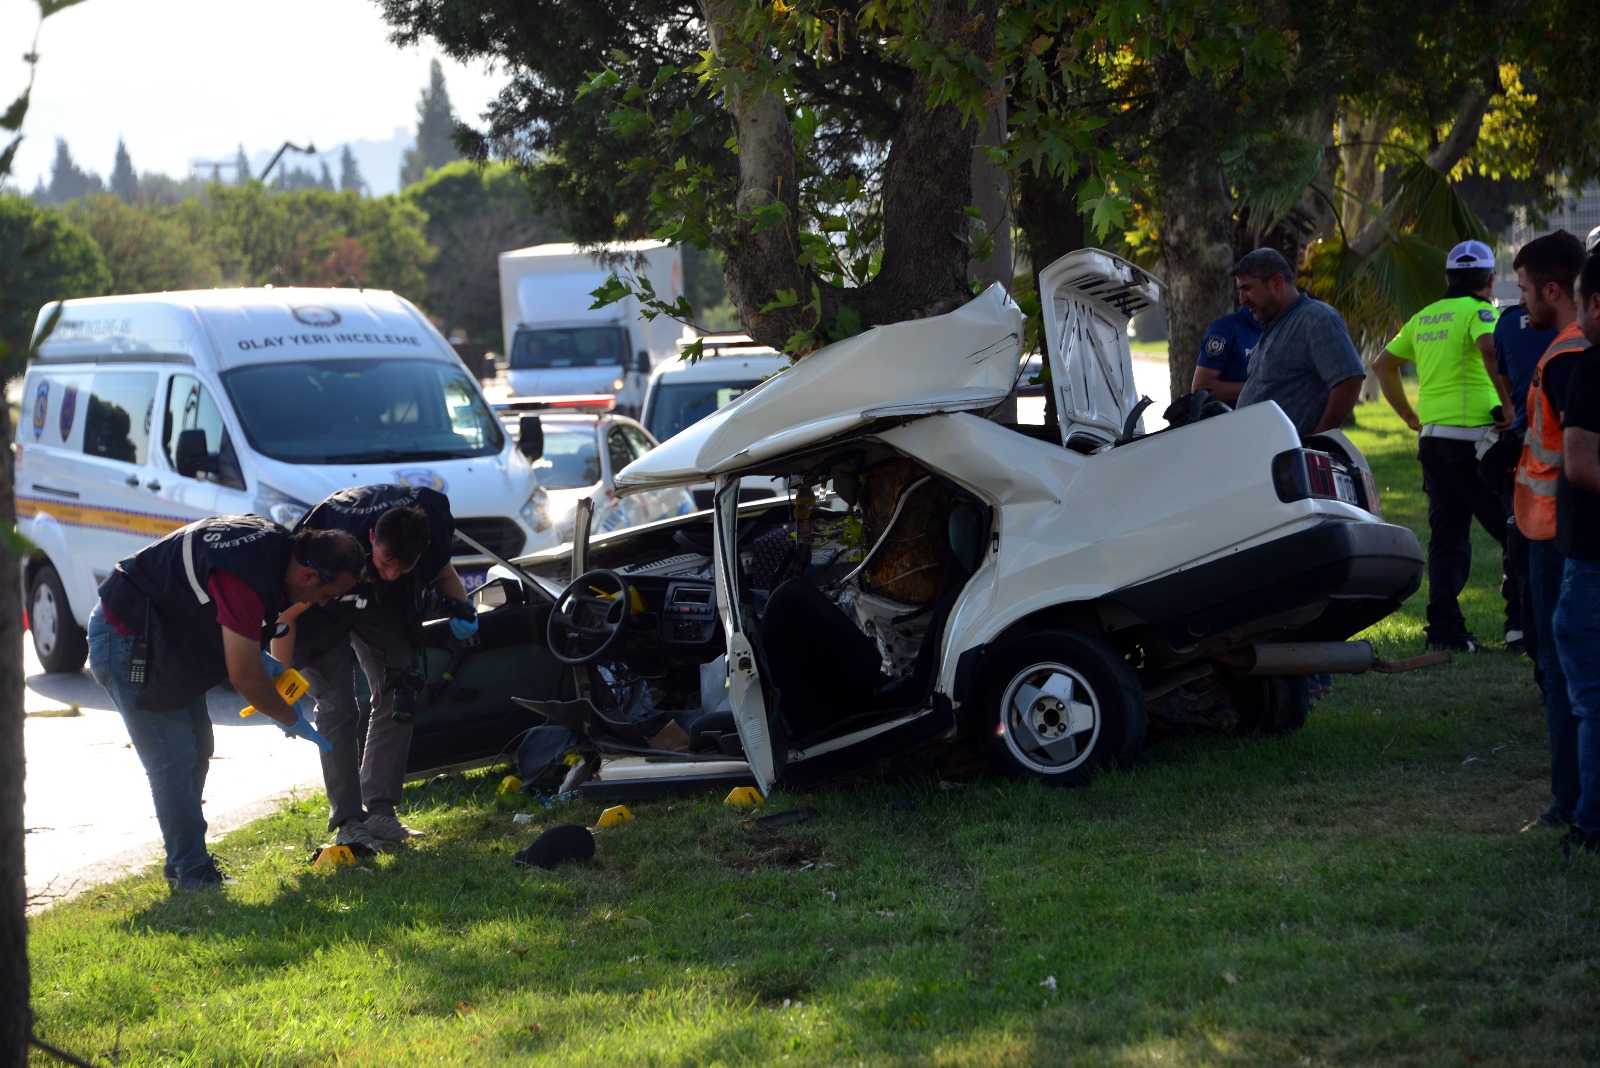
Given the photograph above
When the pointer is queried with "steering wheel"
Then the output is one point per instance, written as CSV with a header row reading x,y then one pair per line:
x,y
588,616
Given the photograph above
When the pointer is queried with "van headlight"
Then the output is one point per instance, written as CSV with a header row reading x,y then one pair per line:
x,y
537,511
279,507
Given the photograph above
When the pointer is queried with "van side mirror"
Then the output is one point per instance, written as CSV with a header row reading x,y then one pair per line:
x,y
642,363
530,437
192,456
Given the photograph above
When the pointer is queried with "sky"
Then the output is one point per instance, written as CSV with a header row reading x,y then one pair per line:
x,y
187,80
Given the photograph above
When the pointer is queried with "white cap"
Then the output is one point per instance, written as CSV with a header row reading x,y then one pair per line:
x,y
1468,255
1592,245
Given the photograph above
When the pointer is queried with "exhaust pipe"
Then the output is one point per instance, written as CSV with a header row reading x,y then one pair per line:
x,y
1324,658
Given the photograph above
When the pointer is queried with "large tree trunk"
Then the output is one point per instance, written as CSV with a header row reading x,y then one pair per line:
x,y
16,1019
1196,251
926,186
1360,137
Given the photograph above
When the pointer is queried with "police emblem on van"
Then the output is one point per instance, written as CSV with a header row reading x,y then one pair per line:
x,y
69,408
313,316
41,403
420,477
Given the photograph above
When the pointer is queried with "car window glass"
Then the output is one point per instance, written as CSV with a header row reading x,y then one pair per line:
x,y
571,459
637,441
682,404
617,447
117,421
190,406
377,409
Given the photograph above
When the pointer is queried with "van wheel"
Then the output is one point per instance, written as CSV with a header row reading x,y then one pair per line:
x,y
1059,705
61,644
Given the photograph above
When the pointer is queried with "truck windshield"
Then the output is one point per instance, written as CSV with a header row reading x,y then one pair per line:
x,y
675,405
577,346
375,410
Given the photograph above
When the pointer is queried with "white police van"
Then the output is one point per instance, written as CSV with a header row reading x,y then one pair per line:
x,y
143,413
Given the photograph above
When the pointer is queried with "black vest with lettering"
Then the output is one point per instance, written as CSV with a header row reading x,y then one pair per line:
x,y
391,604
161,593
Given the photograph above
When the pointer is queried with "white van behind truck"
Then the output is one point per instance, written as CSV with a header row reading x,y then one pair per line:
x,y
143,413
681,394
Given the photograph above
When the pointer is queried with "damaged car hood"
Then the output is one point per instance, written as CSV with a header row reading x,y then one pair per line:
x,y
965,360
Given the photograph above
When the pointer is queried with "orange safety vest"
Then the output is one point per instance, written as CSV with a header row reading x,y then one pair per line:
x,y
1534,494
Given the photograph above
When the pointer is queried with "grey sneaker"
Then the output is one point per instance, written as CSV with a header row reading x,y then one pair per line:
x,y
356,835
386,827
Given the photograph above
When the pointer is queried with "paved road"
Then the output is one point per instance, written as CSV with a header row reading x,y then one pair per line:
x,y
88,810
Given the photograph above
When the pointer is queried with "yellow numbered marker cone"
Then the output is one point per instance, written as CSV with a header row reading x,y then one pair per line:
x,y
334,856
743,795
614,815
509,785
291,686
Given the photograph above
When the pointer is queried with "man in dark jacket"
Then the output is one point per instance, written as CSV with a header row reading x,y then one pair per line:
x,y
407,531
187,613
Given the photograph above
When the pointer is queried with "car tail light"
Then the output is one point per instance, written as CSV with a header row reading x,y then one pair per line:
x,y
1302,474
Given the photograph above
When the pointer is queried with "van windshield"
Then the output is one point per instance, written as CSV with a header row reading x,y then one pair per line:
x,y
374,410
576,346
676,405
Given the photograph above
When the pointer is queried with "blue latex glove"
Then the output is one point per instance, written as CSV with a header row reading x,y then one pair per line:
x,y
463,628
274,666
302,728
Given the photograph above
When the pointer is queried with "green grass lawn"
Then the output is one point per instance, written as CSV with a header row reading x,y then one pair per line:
x,y
1359,893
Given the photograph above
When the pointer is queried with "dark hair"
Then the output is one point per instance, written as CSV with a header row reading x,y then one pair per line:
x,y
1556,257
403,532
1265,264
333,552
1589,277
1473,278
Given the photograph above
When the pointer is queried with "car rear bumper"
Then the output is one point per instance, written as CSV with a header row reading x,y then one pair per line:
x,y
1356,573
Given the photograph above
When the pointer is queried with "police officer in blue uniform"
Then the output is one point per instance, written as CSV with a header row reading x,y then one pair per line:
x,y
1224,361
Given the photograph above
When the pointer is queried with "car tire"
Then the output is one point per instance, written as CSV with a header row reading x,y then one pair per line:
x,y
62,645
1271,704
1060,705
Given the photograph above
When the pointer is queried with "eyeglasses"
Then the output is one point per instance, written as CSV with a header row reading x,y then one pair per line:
x,y
323,575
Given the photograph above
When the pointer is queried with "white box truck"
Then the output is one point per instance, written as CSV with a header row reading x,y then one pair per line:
x,y
143,413
559,346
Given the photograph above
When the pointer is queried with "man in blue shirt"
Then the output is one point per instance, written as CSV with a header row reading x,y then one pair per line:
x,y
1224,361
1304,360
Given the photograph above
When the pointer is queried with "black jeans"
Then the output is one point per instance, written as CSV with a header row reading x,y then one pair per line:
x,y
1456,496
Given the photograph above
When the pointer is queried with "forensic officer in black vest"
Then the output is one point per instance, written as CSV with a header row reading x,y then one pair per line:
x,y
408,531
186,613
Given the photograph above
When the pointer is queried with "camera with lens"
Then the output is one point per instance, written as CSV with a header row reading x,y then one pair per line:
x,y
407,685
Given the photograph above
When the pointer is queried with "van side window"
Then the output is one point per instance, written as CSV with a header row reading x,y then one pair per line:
x,y
191,407
117,422
466,415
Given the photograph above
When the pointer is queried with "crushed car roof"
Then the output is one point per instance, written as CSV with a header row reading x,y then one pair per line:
x,y
960,361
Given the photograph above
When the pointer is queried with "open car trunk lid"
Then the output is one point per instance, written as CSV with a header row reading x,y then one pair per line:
x,y
1088,298
965,360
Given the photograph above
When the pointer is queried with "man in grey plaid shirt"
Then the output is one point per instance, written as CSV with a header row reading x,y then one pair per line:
x,y
1304,360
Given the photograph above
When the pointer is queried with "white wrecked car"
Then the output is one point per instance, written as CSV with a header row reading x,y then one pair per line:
x,y
1045,591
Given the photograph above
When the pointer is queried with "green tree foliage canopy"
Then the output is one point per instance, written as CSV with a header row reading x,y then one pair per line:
x,y
43,257
435,126
67,180
124,184
147,248
350,180
474,213
314,237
